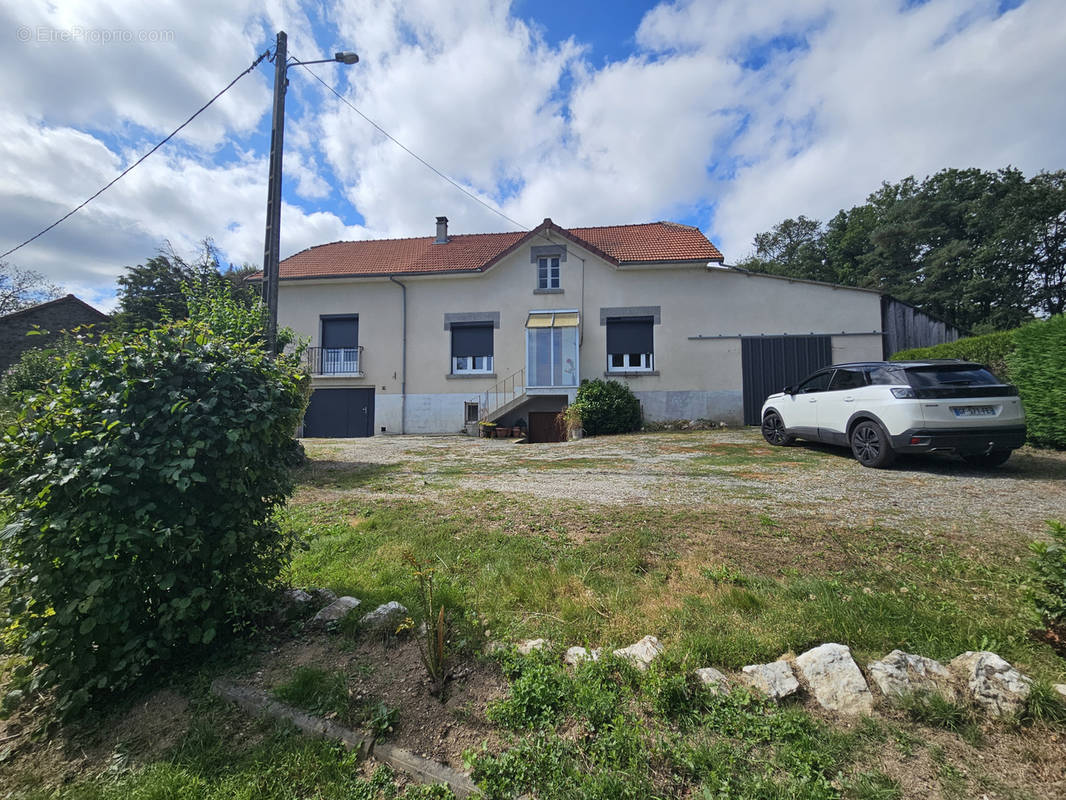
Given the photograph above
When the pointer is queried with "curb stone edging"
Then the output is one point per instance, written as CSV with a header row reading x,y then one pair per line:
x,y
421,769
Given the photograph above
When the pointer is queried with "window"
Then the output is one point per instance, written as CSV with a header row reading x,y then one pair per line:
x,y
630,344
887,376
471,412
548,272
339,354
847,379
471,348
551,348
815,383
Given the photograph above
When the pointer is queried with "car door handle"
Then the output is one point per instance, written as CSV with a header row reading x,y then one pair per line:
x,y
849,399
813,400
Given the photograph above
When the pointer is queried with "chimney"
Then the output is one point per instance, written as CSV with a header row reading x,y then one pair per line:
x,y
442,230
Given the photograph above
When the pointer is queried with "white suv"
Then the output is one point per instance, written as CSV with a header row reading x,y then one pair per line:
x,y
881,408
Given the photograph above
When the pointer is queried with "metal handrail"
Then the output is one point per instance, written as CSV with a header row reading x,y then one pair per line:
x,y
334,360
509,388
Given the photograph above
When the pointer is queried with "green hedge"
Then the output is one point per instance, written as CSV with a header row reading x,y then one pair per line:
x,y
991,349
1038,367
1033,357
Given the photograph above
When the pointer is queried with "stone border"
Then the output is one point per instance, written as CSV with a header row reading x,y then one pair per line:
x,y
421,769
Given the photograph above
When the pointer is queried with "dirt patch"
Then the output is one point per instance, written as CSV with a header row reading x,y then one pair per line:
x,y
144,731
390,671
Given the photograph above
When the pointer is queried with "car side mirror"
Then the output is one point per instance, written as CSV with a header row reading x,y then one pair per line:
x,y
788,390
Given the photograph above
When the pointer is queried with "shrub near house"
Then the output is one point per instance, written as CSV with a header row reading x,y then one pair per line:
x,y
606,407
144,479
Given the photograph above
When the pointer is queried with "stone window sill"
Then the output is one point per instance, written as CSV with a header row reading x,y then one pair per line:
x,y
547,291
632,374
465,376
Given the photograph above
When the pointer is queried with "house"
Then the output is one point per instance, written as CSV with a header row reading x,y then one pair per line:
x,y
430,334
51,318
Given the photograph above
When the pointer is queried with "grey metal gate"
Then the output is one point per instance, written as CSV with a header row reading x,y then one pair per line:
x,y
770,363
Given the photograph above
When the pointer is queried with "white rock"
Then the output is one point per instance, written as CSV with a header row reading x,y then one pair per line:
x,y
1060,688
297,597
384,617
575,655
835,679
529,645
641,654
335,611
775,679
899,674
992,683
714,680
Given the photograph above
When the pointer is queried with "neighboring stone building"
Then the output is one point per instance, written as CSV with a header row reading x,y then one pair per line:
x,y
55,316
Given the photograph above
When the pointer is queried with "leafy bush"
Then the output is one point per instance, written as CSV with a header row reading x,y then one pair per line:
x,y
143,483
606,407
990,349
1049,564
1033,357
34,369
1038,367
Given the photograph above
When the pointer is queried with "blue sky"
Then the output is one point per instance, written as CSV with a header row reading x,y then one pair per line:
x,y
727,115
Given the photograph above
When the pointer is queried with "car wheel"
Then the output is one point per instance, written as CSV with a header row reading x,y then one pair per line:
x,y
993,459
870,446
773,430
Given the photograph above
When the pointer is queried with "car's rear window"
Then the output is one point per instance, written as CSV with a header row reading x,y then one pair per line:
x,y
922,377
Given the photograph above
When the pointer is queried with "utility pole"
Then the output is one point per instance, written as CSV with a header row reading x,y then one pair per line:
x,y
272,248
273,219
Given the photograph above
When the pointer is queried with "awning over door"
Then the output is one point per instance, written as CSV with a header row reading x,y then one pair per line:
x,y
552,319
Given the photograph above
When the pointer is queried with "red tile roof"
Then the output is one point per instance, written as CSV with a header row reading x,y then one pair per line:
x,y
650,242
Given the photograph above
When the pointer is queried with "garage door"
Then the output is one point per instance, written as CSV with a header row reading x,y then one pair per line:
x,y
340,413
773,362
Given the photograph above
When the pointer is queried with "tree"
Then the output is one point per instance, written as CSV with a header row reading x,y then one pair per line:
x,y
22,288
981,250
153,292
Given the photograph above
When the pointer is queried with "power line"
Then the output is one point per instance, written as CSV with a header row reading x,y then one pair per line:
x,y
413,154
129,169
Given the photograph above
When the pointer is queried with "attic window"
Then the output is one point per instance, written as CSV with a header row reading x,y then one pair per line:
x,y
548,276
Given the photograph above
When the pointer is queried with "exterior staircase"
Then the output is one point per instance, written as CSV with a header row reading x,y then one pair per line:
x,y
506,395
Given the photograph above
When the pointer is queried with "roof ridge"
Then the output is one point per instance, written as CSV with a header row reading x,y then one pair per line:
x,y
605,227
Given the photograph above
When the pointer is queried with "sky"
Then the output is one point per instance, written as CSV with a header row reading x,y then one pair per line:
x,y
728,115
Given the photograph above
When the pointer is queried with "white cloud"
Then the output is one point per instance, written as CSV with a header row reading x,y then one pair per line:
x,y
757,110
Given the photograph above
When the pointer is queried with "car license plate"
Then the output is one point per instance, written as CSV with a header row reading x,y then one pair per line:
x,y
973,411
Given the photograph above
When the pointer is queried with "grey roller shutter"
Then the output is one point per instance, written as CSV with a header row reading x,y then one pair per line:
x,y
629,335
471,340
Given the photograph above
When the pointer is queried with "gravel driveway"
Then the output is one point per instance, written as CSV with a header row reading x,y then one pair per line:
x,y
712,468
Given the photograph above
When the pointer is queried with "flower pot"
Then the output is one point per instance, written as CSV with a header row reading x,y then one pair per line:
x,y
485,431
517,432
503,433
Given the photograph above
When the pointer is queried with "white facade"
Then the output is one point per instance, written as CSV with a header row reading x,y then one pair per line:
x,y
699,313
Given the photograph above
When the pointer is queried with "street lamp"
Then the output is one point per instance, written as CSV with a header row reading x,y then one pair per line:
x,y
273,216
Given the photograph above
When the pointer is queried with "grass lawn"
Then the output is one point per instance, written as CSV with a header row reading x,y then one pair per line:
x,y
730,552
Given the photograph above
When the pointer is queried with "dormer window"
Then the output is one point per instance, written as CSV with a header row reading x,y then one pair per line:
x,y
548,272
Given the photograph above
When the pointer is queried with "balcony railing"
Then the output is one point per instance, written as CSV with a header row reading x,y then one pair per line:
x,y
335,360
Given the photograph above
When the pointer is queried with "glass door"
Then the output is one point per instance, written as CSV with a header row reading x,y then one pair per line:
x,y
551,348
